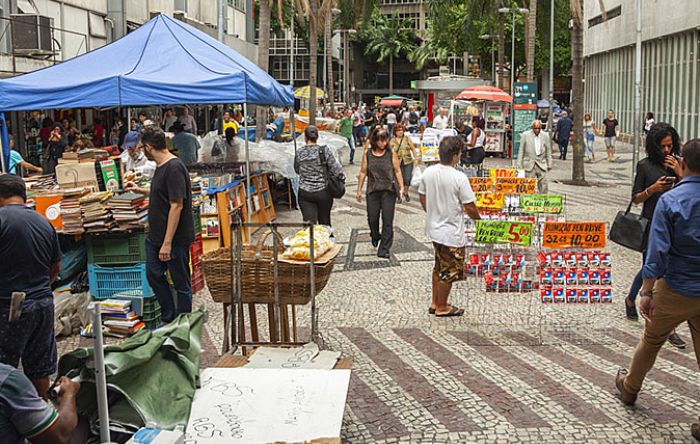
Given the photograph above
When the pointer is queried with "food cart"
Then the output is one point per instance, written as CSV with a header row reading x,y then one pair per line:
x,y
491,103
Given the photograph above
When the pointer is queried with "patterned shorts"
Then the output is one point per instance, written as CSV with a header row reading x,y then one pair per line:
x,y
449,263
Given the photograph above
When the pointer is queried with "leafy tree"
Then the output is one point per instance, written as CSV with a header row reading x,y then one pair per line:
x,y
388,38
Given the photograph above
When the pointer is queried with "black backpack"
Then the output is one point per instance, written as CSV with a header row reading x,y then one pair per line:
x,y
413,118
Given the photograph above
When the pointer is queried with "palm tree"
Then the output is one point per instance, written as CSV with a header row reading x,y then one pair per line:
x,y
531,37
387,38
422,54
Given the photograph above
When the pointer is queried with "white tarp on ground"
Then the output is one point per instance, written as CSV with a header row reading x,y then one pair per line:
x,y
241,405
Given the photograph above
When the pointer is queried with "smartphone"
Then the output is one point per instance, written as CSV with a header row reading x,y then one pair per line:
x,y
670,179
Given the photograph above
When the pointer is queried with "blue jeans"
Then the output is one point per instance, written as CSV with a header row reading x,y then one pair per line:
x,y
179,268
563,147
636,282
351,142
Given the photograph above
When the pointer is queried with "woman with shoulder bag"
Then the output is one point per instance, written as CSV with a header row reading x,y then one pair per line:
x,y
315,200
656,174
475,146
380,165
408,156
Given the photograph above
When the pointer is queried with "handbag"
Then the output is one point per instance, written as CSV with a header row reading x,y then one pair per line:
x,y
335,184
630,230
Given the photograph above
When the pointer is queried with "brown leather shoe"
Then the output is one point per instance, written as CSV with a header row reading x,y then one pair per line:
x,y
695,430
626,397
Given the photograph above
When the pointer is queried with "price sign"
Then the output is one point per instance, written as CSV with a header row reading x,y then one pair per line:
x,y
586,235
516,185
503,232
542,203
490,201
481,184
502,172
429,149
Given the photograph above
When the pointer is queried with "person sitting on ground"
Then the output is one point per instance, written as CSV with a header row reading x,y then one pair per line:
x,y
446,195
32,262
133,158
26,417
186,144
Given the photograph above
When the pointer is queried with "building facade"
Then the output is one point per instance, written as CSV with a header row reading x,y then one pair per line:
x,y
670,62
38,33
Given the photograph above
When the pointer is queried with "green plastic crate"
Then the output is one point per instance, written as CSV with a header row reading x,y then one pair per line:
x,y
116,248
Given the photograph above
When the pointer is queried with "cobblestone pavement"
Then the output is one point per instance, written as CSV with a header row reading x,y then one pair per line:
x,y
511,369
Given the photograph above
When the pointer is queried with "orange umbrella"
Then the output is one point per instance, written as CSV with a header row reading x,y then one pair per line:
x,y
484,92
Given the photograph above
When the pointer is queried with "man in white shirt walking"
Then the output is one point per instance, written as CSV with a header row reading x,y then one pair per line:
x,y
535,155
440,121
445,195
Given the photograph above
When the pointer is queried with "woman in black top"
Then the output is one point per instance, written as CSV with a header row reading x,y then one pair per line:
x,y
315,201
384,184
53,150
656,174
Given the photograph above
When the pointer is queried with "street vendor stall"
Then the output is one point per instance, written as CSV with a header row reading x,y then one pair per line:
x,y
491,104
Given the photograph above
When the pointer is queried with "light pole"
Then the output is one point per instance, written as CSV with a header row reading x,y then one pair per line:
x,y
493,61
513,11
550,116
637,88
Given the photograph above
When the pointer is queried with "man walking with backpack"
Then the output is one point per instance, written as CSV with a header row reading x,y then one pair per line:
x,y
412,120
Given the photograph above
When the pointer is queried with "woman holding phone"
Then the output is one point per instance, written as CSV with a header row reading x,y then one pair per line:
x,y
656,174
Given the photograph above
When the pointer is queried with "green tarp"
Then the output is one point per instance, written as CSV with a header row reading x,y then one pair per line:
x,y
157,372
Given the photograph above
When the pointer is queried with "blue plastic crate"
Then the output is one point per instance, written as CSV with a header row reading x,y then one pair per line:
x,y
106,281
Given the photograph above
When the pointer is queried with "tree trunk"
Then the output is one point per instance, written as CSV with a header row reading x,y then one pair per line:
x,y
329,56
532,29
578,173
313,60
391,74
501,52
263,63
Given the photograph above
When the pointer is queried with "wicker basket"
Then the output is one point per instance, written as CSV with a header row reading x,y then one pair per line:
x,y
257,273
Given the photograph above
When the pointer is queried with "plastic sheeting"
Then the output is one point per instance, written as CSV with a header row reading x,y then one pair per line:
x,y
163,62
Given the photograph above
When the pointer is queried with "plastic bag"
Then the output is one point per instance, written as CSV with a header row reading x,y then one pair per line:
x,y
298,244
417,176
207,146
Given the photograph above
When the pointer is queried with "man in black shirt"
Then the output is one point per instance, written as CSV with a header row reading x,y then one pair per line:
x,y
171,228
31,261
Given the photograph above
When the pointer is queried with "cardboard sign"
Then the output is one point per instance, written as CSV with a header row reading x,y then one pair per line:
x,y
584,235
490,201
481,184
503,232
502,172
542,203
516,185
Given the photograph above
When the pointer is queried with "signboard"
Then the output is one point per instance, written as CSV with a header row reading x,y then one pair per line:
x,y
542,203
524,111
493,142
490,201
588,235
481,184
429,149
503,232
516,185
502,172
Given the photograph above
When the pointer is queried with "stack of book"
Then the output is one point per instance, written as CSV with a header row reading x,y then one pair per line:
x,y
130,210
70,211
119,319
84,155
96,215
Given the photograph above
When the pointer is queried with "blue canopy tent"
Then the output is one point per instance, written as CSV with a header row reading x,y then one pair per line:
x,y
163,62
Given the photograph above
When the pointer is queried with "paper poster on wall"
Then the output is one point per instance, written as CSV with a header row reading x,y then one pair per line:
x,y
240,405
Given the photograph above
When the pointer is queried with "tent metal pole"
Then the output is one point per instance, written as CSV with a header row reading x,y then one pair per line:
x,y
4,135
247,160
292,128
100,377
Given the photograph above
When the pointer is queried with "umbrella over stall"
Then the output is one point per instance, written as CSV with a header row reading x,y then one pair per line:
x,y
485,93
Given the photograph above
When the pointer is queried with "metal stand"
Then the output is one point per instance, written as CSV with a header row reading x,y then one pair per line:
x,y
100,377
236,313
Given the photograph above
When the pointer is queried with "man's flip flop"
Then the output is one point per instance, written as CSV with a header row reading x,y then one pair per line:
x,y
454,311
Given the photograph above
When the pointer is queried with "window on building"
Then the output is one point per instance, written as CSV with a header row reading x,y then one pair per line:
x,y
238,4
97,26
597,20
413,16
400,2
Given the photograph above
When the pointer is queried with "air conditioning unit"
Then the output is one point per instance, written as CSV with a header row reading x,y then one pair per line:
x,y
32,34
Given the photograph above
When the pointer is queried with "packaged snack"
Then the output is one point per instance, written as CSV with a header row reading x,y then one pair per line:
x,y
474,259
583,276
582,295
520,260
594,259
559,295
571,295
486,259
594,295
570,276
605,259
559,277
570,259
594,277
606,277
582,259
527,285
547,295
508,259
298,245
606,295
546,276
558,260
